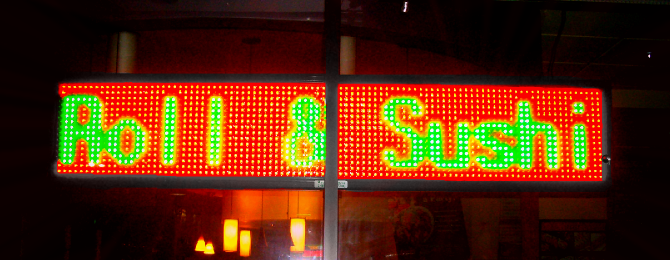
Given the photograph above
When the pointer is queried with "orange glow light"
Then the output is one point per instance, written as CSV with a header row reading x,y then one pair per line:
x,y
230,235
200,246
298,234
245,243
209,249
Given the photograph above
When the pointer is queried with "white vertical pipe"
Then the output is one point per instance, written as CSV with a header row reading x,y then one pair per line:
x,y
122,52
347,55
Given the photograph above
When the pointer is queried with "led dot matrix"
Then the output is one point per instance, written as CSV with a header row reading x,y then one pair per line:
x,y
306,144
72,130
471,133
189,129
215,131
169,130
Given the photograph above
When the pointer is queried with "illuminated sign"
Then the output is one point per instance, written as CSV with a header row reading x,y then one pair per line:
x,y
474,133
192,129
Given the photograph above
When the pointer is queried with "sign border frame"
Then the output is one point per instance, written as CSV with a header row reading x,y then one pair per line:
x,y
490,186
307,183
175,182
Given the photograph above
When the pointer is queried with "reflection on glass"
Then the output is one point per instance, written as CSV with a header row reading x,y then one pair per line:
x,y
245,242
209,249
428,225
230,235
276,224
134,223
577,239
298,234
200,246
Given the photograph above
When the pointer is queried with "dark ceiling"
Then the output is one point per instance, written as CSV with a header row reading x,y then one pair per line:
x,y
624,47
625,42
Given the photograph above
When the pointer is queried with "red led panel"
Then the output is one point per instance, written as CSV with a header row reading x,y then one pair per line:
x,y
469,132
192,129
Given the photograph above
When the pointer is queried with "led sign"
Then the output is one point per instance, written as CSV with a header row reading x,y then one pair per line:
x,y
474,133
191,129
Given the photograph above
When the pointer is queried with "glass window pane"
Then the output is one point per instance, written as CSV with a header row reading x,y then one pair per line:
x,y
147,223
429,225
421,37
229,51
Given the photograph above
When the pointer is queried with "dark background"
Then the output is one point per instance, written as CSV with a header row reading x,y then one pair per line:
x,y
45,41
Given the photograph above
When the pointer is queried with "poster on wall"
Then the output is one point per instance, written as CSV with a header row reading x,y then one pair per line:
x,y
572,239
192,129
470,132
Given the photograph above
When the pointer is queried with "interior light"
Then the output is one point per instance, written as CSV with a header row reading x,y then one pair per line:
x,y
245,243
230,235
200,246
298,234
209,249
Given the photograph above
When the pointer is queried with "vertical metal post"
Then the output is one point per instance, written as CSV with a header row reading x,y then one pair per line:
x,y
331,53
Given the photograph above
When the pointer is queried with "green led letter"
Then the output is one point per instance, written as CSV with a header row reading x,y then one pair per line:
x,y
71,130
525,130
214,131
306,113
580,146
114,141
169,130
429,146
504,153
578,108
462,154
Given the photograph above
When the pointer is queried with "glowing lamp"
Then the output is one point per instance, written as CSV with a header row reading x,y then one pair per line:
x,y
209,249
245,243
200,246
230,235
298,234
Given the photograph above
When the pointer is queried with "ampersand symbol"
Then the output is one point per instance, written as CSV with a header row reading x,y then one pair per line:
x,y
305,144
